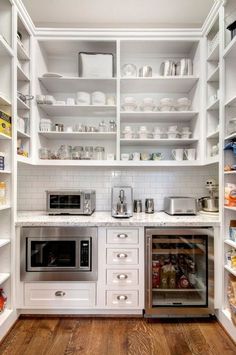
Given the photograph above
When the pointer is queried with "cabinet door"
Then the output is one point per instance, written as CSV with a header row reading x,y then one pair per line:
x,y
122,277
59,295
122,256
122,236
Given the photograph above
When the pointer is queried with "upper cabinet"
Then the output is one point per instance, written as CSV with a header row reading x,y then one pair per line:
x,y
128,101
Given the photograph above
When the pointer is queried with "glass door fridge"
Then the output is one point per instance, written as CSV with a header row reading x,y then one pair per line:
x,y
179,278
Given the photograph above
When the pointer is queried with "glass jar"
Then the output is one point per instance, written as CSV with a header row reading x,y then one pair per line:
x,y
59,127
3,300
3,189
2,161
88,153
65,152
44,153
99,153
102,127
45,125
112,126
77,152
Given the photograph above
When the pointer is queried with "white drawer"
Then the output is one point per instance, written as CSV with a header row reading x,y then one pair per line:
x,y
122,236
122,277
58,295
122,256
118,299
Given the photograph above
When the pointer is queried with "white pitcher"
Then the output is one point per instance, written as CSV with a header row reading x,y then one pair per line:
x,y
178,154
190,154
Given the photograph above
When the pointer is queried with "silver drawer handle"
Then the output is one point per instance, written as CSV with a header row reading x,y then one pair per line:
x,y
122,236
122,298
122,256
122,276
60,293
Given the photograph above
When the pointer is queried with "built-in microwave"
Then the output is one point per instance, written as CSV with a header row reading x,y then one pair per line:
x,y
58,254
81,202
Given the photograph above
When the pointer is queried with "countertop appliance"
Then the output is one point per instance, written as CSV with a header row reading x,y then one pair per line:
x,y
149,205
122,202
179,272
58,254
177,205
210,204
138,206
81,202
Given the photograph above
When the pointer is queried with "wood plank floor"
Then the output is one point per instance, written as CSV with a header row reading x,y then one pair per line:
x,y
119,336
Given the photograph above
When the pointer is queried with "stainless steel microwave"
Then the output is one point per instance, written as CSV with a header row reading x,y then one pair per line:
x,y
81,202
58,254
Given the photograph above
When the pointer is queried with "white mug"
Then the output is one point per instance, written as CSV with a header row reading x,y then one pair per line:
x,y
125,156
178,154
190,154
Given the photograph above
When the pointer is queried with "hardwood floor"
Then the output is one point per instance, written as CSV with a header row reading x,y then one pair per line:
x,y
119,336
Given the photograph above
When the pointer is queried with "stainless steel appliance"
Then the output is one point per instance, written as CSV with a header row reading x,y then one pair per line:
x,y
179,272
180,205
210,203
122,202
149,205
81,202
58,254
138,206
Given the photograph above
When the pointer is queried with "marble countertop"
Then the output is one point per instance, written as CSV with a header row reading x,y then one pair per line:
x,y
104,219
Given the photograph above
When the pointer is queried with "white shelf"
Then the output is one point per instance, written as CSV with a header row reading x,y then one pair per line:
x,y
229,269
4,136
231,102
230,242
4,276
5,49
5,172
75,110
214,105
159,142
79,135
214,55
230,50
231,136
230,172
117,163
21,53
157,116
21,75
213,135
5,315
212,160
4,242
22,159
22,134
73,84
167,84
4,101
230,208
214,76
21,105
4,207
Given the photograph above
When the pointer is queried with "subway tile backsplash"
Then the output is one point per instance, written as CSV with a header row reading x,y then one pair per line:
x,y
157,183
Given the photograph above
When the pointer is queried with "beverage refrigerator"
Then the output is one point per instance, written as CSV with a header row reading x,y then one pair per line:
x,y
179,272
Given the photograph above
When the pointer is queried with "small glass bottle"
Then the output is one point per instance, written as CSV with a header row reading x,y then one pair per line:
x,y
99,153
2,161
112,126
2,193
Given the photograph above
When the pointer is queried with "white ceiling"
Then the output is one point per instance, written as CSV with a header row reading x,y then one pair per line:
x,y
118,13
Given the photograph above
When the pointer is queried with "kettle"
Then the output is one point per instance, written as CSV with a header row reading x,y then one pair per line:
x,y
149,205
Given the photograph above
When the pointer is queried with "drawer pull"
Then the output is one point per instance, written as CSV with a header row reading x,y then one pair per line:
x,y
122,255
122,236
122,298
122,276
60,293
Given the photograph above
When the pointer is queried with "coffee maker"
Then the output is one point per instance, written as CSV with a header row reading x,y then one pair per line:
x,y
122,202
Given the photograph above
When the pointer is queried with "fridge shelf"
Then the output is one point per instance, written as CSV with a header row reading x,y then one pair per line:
x,y
163,251
177,240
179,289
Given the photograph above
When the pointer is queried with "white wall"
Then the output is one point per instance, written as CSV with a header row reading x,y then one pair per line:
x,y
155,183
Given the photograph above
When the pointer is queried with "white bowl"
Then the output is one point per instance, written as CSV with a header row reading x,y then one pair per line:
x,y
172,135
130,100
129,107
166,107
157,135
186,135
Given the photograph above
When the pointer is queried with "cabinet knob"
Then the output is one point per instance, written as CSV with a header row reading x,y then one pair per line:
x,y
122,276
122,255
122,236
122,298
60,293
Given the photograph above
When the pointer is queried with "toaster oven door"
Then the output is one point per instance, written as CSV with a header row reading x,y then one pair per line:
x,y
64,202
